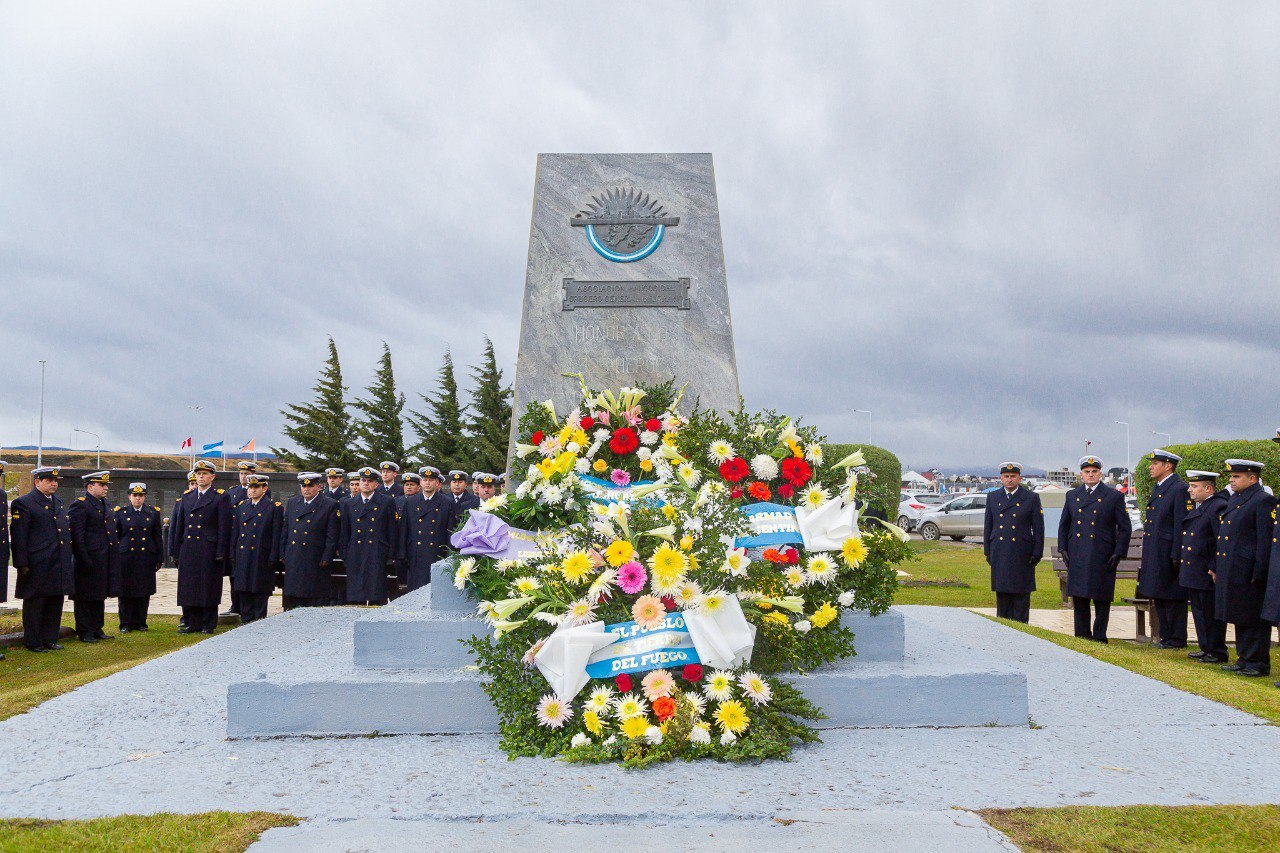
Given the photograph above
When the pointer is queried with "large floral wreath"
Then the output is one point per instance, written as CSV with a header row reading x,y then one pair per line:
x,y
653,574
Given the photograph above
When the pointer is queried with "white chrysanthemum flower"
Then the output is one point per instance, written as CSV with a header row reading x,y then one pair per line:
x,y
601,700
796,577
465,570
581,612
814,453
653,734
644,453
697,701
579,740
814,497
719,685
847,598
712,602
804,626
533,475
701,734
764,466
689,474
755,688
552,495
666,586
629,705
727,738
554,712
601,435
720,451
735,562
688,594
648,438
522,490
821,569
494,503
582,466
602,585
549,618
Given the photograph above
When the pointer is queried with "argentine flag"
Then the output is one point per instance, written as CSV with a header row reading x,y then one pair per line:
x,y
214,449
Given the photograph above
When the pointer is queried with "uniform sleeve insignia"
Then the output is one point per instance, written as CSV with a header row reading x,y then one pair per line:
x,y
15,513
219,491
279,504
117,509
80,498
158,508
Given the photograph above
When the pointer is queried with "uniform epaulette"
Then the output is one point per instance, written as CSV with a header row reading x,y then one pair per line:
x,y
279,504
158,508
80,498
117,509
219,491
179,500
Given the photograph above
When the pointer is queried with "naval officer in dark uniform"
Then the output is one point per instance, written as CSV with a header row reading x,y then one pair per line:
x,y
389,471
335,488
201,535
240,490
1013,542
1271,599
486,485
1196,547
40,547
4,538
368,540
254,549
1162,525
308,542
425,524
94,545
1242,559
1093,536
140,534
462,498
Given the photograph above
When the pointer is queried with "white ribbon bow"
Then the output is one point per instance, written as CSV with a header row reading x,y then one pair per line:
x,y
562,660
723,639
826,528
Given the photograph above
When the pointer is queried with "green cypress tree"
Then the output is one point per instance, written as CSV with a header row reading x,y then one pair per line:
x,y
381,429
442,442
489,425
322,430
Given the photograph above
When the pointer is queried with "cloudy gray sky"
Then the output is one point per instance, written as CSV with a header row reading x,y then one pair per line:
x,y
1000,227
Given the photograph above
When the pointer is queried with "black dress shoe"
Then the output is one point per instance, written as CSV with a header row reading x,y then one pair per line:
x,y
90,638
37,649
1196,655
206,631
53,647
1165,645
1252,672
1233,667
103,636
141,628
1213,659
124,630
183,629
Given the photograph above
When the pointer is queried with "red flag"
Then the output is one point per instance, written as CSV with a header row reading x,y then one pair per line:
x,y
186,443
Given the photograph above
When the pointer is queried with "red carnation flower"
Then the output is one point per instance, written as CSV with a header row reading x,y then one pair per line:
x,y
624,441
734,470
653,425
759,491
587,423
536,438
792,555
786,490
669,603
691,672
796,471
623,683
664,708
735,493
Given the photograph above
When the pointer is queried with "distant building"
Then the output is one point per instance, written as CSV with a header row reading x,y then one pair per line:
x,y
1062,477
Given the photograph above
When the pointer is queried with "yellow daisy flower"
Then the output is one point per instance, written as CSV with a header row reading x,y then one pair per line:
x,y
576,567
853,551
824,615
635,727
619,552
592,721
732,716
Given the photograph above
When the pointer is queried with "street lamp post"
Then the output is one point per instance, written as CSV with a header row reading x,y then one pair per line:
x,y
1129,475
868,414
98,437
1168,436
40,438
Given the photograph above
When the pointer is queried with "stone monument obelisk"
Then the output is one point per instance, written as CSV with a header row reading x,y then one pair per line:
x,y
625,280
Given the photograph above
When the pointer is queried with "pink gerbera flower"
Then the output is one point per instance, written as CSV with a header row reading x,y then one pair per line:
x,y
620,477
648,612
657,684
632,577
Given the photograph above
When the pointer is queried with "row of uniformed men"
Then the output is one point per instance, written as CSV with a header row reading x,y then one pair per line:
x,y
1209,547
90,553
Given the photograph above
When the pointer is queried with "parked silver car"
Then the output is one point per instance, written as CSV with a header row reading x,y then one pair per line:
x,y
915,503
959,517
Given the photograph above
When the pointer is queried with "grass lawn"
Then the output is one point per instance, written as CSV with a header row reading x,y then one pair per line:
x,y
215,832
1257,696
27,679
1139,829
963,562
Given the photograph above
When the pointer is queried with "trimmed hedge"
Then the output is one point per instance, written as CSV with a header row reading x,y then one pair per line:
x,y
885,495
1209,456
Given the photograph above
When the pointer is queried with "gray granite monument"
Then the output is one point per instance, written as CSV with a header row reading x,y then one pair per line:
x,y
625,280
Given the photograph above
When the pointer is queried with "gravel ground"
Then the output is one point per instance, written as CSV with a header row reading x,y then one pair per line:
x,y
152,739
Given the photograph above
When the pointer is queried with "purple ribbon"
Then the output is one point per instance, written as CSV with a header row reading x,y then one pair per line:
x,y
483,534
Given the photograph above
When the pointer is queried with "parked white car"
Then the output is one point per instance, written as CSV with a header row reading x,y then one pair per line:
x,y
959,517
913,504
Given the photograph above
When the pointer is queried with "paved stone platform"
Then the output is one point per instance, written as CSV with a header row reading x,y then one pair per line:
x,y
152,739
